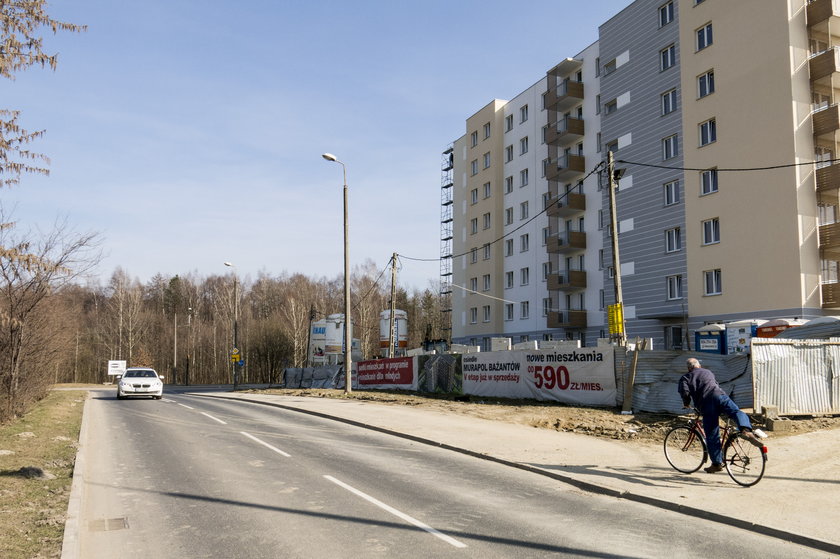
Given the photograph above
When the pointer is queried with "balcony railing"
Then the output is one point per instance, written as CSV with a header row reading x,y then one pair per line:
x,y
566,319
830,295
571,280
830,241
824,64
565,96
569,204
820,10
828,183
566,242
568,130
826,121
569,165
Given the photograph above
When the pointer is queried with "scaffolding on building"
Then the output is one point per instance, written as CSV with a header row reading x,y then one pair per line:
x,y
446,186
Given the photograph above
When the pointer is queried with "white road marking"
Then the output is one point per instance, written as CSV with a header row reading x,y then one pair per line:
x,y
397,513
265,444
214,418
186,406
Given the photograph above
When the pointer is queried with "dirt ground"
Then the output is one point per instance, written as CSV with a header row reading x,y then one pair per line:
x,y
598,422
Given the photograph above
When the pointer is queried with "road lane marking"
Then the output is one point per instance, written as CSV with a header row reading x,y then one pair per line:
x,y
214,418
186,406
265,444
397,513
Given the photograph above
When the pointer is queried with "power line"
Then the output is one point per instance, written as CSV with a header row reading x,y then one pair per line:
x,y
726,170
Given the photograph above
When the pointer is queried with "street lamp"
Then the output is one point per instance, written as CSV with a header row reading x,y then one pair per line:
x,y
235,328
348,358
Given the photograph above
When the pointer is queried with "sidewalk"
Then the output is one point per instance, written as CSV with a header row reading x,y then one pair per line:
x,y
797,500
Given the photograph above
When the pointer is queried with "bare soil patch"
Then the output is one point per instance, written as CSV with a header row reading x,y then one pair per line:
x,y
598,422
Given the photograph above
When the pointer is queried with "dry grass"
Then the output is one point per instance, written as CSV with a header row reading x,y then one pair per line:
x,y
32,510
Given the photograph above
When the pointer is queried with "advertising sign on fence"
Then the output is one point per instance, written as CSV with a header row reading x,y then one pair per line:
x,y
388,373
580,376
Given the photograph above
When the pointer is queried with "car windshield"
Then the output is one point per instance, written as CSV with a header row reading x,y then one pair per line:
x,y
140,374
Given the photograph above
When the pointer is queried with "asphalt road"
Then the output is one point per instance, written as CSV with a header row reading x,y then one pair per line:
x,y
197,477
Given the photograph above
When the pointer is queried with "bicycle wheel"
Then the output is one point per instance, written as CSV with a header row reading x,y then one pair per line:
x,y
684,449
744,461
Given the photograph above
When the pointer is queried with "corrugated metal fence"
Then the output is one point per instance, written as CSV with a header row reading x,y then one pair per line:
x,y
799,377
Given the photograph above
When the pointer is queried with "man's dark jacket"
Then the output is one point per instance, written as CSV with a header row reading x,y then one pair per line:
x,y
698,385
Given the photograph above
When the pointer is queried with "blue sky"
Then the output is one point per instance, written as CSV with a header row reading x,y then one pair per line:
x,y
189,133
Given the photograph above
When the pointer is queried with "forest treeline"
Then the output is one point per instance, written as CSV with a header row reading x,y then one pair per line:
x,y
183,327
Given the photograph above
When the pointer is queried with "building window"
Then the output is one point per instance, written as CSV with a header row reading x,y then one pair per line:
x,y
523,114
486,130
524,276
523,243
486,309
600,259
546,234
669,101
610,67
667,57
673,240
712,282
486,218
523,146
704,36
611,106
666,14
669,147
508,185
473,139
487,190
673,287
708,132
672,193
509,311
508,123
524,309
508,216
508,280
711,231
708,181
473,284
523,210
473,315
474,226
546,270
487,251
474,166
508,154
508,247
546,306
474,196
705,84
523,177
486,159
473,255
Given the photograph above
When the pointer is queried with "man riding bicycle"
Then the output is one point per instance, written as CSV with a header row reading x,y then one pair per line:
x,y
700,386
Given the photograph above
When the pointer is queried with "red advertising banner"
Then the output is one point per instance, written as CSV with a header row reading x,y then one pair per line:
x,y
381,373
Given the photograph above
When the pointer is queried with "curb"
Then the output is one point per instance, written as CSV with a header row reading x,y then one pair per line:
x,y
71,545
582,485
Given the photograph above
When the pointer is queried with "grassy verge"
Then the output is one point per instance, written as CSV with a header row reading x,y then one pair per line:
x,y
32,510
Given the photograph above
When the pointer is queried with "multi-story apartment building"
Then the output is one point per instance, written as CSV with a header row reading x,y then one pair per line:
x,y
716,111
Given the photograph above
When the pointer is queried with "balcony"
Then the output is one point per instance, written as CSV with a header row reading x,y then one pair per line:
x,y
826,121
566,319
830,241
564,96
820,11
824,64
570,204
567,242
830,295
570,165
567,130
572,280
828,183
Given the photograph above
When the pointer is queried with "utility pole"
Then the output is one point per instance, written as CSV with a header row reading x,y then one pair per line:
x,y
391,341
175,352
619,298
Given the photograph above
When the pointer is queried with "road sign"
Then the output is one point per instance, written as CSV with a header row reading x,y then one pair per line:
x,y
116,368
234,355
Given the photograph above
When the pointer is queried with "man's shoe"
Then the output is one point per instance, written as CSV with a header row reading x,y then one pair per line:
x,y
751,438
713,468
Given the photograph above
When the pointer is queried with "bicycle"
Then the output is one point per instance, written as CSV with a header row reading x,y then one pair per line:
x,y
686,451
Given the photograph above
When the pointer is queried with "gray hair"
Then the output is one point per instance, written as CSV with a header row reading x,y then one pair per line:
x,y
692,363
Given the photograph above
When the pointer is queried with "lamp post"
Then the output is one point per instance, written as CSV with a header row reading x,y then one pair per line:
x,y
348,358
235,327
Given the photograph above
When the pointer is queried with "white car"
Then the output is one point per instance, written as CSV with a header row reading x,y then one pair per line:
x,y
140,381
